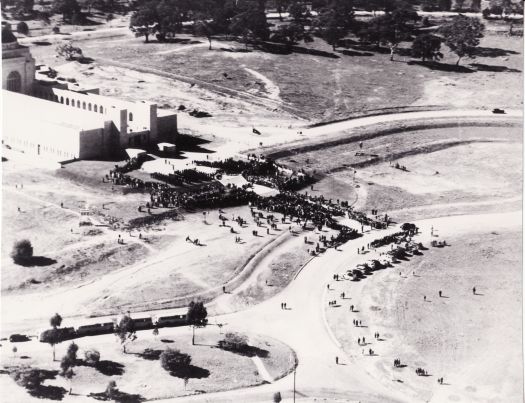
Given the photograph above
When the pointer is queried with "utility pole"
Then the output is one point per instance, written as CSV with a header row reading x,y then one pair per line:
x,y
294,371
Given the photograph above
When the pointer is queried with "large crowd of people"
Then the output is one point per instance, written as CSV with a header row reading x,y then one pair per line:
x,y
262,171
303,209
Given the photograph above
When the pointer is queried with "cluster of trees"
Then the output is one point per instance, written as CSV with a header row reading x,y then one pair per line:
x,y
501,7
71,10
334,20
462,35
247,18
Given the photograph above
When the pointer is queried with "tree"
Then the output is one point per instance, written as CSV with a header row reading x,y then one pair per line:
x,y
290,34
27,6
111,390
29,378
298,11
281,6
68,51
68,362
92,357
196,317
174,361
22,251
497,10
55,321
459,5
169,15
390,29
462,35
427,46
336,20
125,330
234,342
277,397
22,28
250,21
331,29
204,28
144,21
68,374
68,8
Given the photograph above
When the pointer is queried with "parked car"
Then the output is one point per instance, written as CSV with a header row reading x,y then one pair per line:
x,y
15,338
498,110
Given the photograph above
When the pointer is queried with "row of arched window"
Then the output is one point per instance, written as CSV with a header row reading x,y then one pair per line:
x,y
90,107
70,102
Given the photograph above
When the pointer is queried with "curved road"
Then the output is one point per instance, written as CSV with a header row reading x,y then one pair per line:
x,y
303,327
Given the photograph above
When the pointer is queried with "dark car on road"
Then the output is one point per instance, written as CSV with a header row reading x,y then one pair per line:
x,y
498,110
15,338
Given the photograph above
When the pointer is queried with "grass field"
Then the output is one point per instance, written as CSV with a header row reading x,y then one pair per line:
x,y
162,262
472,340
213,369
317,88
474,164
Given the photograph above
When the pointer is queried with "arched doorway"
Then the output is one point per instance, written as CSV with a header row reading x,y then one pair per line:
x,y
14,82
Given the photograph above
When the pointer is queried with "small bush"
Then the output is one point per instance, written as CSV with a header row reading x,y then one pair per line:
x,y
172,360
92,357
22,28
56,29
22,251
234,342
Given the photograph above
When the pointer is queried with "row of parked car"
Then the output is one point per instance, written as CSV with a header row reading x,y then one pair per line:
x,y
68,333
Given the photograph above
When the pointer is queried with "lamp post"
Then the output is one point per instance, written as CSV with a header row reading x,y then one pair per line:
x,y
294,371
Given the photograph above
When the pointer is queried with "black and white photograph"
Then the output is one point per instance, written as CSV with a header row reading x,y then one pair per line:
x,y
212,201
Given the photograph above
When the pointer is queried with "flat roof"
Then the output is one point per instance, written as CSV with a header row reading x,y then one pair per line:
x,y
16,105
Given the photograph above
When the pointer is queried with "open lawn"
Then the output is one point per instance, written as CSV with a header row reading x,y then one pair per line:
x,y
473,341
473,166
212,369
313,87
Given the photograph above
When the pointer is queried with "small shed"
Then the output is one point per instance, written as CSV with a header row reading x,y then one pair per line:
x,y
166,147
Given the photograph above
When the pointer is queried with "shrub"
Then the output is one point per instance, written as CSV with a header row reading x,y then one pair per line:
x,y
22,28
92,357
172,360
28,377
56,29
22,251
234,342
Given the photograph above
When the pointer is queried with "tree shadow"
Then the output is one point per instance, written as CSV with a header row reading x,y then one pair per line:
x,y
371,48
48,392
190,372
117,396
123,397
495,69
351,52
42,43
247,351
150,354
432,65
43,391
493,52
85,60
109,368
35,261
